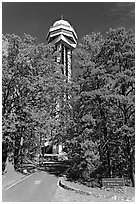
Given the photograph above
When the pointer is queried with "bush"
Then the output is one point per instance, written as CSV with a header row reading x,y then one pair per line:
x,y
85,160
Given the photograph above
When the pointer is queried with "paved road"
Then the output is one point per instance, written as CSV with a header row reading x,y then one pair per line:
x,y
39,187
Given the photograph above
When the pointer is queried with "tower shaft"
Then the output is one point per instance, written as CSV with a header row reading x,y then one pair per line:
x,y
65,58
62,35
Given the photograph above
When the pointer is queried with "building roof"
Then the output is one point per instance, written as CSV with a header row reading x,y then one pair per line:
x,y
62,22
61,30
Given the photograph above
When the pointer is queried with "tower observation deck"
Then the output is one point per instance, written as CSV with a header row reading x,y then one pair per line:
x,y
64,37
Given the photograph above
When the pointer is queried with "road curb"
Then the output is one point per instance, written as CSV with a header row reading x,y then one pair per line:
x,y
67,187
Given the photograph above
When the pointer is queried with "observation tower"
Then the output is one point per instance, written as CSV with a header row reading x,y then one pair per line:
x,y
63,36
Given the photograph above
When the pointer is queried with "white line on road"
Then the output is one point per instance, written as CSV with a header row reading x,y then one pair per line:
x,y
37,182
18,182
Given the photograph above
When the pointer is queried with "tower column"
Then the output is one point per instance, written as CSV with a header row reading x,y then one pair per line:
x,y
69,64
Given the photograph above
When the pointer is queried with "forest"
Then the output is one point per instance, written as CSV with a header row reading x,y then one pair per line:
x,y
96,123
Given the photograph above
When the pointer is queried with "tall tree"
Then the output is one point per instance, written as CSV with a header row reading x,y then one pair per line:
x,y
32,86
118,56
106,92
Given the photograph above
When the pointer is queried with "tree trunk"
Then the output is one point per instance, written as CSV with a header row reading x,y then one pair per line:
x,y
128,148
133,179
109,162
17,151
131,166
105,133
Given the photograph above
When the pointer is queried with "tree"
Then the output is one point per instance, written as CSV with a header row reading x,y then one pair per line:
x,y
32,86
118,56
106,92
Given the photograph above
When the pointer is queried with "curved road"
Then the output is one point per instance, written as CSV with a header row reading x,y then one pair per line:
x,y
38,187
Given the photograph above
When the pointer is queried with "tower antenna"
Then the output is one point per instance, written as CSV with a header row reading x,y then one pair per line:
x,y
61,16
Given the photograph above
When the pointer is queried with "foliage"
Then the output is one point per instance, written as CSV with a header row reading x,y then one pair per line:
x,y
32,86
105,78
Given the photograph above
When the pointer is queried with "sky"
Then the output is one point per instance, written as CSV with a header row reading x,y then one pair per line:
x,y
35,18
